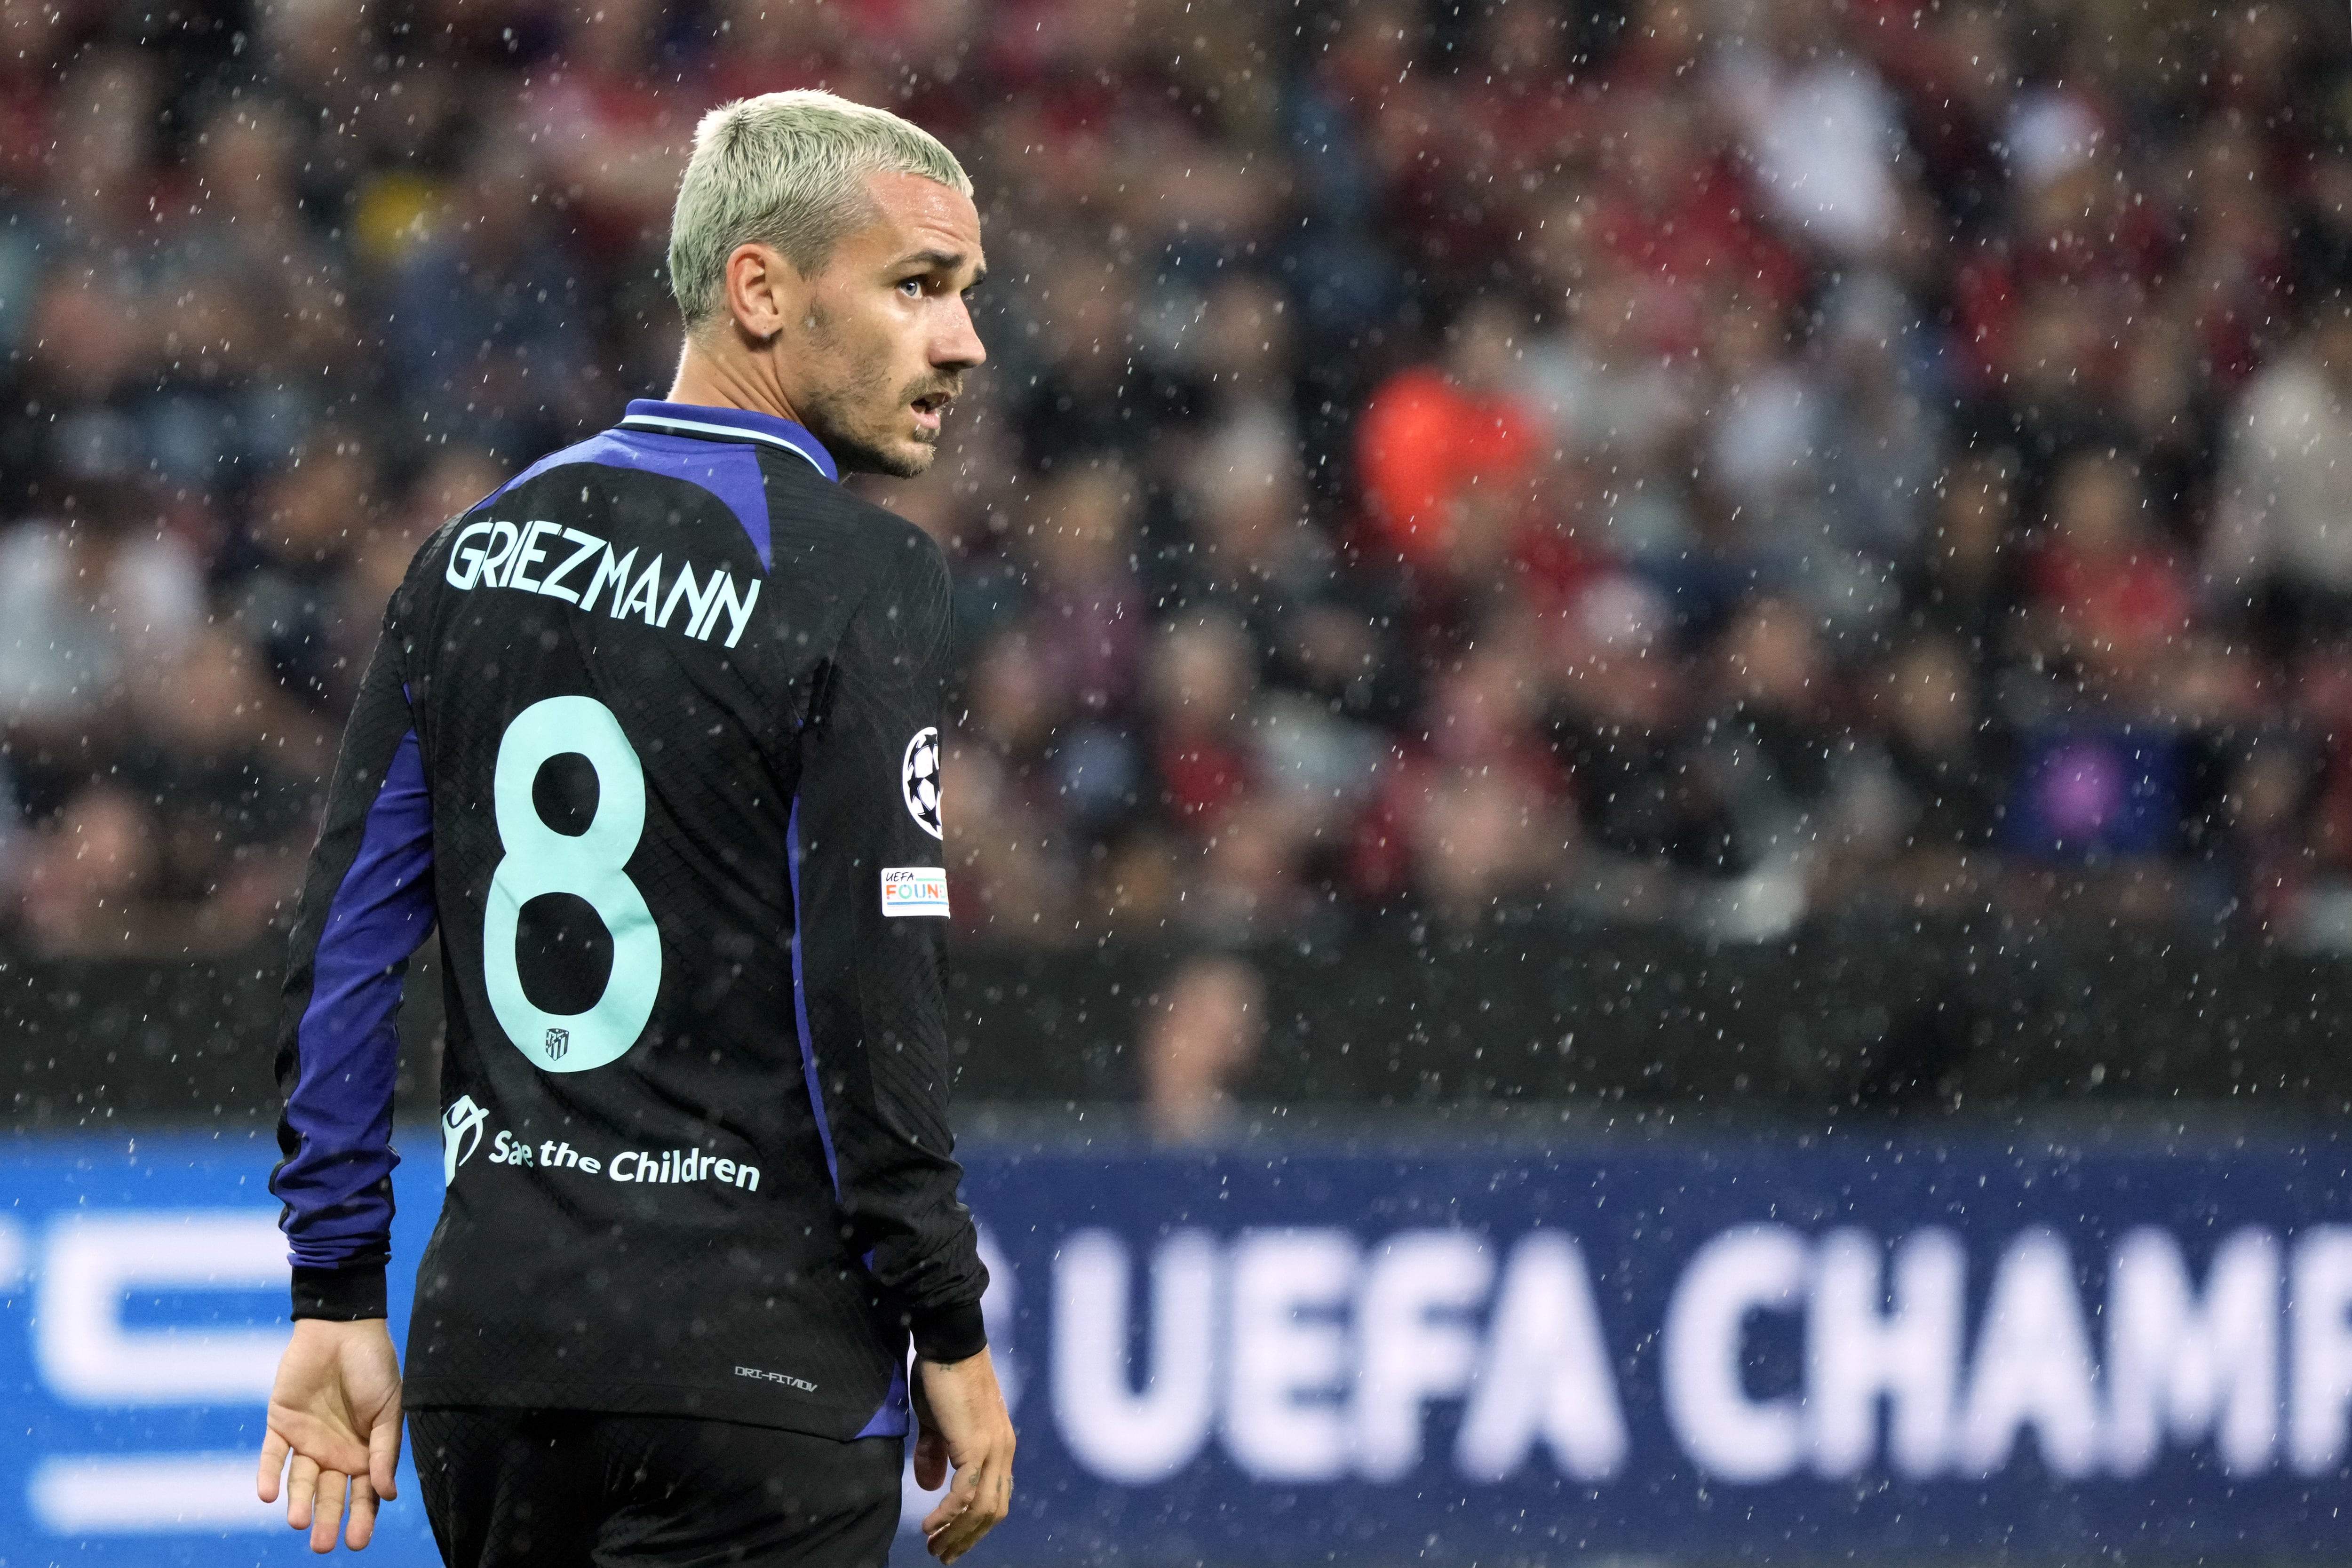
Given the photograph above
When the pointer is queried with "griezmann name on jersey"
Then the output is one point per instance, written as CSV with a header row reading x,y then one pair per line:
x,y
650,737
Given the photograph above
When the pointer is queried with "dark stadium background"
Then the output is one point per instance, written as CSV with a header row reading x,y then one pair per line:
x,y
1744,597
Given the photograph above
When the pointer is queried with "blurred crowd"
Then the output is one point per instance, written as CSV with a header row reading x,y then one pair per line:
x,y
1708,461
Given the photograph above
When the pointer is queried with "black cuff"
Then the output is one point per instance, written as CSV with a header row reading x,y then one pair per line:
x,y
344,1295
949,1333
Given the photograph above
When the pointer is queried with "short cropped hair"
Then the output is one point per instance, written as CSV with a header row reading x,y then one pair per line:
x,y
786,170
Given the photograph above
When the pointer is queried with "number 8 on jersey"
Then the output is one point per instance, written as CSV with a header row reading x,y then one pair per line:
x,y
590,866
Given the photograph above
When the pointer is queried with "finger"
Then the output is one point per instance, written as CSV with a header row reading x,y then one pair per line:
x,y
931,1460
960,1537
962,1492
974,1518
937,1519
999,1495
383,1457
327,1521
273,1465
301,1486
951,1509
357,1533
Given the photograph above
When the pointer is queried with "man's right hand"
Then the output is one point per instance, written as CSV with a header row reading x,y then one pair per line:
x,y
335,1408
964,1423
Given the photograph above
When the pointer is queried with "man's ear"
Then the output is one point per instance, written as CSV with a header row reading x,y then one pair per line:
x,y
764,292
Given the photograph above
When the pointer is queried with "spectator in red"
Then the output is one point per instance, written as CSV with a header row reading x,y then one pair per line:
x,y
1520,118
1203,686
32,41
2110,596
1671,206
2083,258
616,134
1433,436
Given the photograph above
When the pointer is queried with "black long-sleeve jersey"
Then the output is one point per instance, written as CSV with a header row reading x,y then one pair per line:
x,y
650,735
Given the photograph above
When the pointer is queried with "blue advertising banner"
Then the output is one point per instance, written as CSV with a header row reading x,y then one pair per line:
x,y
1779,1350
143,1308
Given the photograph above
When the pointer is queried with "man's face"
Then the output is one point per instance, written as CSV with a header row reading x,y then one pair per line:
x,y
886,333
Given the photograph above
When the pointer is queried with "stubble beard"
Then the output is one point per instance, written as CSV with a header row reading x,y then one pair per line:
x,y
833,415
902,464
833,419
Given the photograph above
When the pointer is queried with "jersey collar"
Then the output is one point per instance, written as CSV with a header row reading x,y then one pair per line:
x,y
705,422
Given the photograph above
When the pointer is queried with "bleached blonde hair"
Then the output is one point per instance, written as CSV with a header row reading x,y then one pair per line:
x,y
786,170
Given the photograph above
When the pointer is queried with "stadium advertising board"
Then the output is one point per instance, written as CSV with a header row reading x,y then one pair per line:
x,y
1907,1349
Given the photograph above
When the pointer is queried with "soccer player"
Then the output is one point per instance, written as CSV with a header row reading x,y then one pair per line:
x,y
650,736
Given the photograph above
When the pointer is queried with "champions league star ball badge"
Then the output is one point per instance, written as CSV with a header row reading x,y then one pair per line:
x,y
919,780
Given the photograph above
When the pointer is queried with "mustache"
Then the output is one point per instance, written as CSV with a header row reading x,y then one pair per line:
x,y
948,388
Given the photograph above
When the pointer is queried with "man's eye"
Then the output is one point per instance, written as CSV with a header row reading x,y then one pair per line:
x,y
911,287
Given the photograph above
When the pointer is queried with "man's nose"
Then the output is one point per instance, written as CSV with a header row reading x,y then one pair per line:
x,y
958,346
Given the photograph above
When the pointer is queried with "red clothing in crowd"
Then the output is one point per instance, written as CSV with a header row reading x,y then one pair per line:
x,y
2127,607
1422,444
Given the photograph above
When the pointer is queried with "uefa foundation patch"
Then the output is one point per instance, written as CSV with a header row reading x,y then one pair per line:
x,y
914,891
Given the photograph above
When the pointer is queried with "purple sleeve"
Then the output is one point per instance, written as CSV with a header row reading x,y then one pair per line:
x,y
367,905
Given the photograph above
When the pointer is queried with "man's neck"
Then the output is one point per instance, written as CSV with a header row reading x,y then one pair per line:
x,y
729,382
